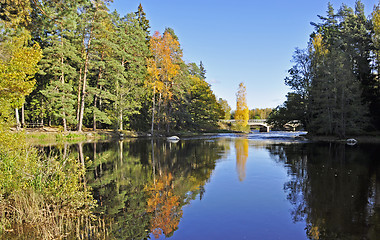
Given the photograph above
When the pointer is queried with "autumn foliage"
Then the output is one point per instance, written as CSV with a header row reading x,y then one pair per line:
x,y
164,205
242,111
241,148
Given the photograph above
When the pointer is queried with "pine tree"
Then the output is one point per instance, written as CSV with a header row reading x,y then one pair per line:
x,y
143,21
60,55
92,14
336,95
101,80
131,56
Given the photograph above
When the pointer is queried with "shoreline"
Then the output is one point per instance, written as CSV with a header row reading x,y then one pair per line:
x,y
359,138
49,135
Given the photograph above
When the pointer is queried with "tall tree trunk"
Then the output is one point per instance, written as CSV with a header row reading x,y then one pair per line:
x,y
121,150
120,120
83,93
63,82
17,119
153,106
79,91
168,117
23,115
159,111
96,96
343,113
94,114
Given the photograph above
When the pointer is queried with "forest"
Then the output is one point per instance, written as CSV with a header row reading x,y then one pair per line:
x,y
335,81
75,65
96,69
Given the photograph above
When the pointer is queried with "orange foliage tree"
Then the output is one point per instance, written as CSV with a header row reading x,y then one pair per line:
x,y
162,68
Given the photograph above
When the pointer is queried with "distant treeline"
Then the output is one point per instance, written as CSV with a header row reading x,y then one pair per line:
x,y
335,81
256,113
103,70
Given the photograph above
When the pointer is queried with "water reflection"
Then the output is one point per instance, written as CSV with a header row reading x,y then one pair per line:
x,y
142,186
241,148
164,205
334,188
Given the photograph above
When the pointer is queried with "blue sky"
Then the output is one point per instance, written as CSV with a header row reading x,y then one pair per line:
x,y
239,41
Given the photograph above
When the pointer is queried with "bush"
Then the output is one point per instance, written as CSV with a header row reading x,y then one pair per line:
x,y
240,128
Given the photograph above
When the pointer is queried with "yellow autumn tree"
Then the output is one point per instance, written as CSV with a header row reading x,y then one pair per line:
x,y
18,60
376,28
318,47
242,111
162,68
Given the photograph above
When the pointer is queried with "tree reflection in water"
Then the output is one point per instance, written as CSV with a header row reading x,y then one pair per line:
x,y
164,204
335,188
142,185
241,148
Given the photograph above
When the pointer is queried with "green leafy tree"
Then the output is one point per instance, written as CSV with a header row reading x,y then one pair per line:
x,y
204,108
18,60
225,108
292,109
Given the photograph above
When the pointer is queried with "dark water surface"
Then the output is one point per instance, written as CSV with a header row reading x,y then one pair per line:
x,y
255,186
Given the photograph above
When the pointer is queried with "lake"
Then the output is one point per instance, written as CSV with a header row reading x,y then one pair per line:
x,y
234,186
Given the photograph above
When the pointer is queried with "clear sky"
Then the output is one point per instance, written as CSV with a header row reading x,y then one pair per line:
x,y
239,41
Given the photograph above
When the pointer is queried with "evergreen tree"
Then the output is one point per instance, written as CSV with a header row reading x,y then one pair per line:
x,y
60,55
131,56
143,21
203,70
92,14
336,95
101,82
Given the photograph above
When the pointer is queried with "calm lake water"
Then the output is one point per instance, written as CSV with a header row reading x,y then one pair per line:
x,y
254,186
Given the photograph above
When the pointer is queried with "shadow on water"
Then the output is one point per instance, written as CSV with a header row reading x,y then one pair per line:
x,y
334,188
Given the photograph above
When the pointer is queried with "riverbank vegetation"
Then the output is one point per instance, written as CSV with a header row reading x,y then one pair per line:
x,y
335,81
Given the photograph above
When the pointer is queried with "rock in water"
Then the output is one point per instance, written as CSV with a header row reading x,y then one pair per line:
x,y
351,141
173,139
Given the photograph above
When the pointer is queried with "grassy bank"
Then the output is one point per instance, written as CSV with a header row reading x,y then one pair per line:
x,y
54,136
